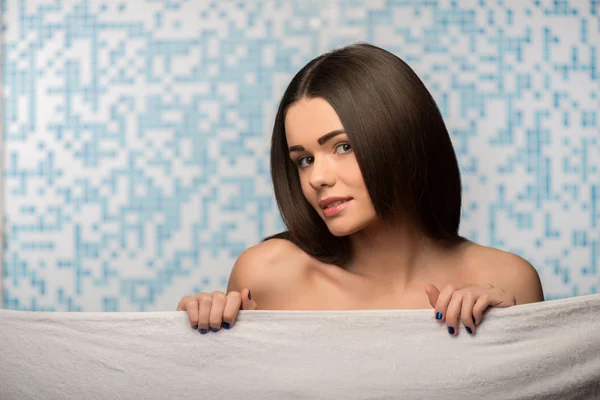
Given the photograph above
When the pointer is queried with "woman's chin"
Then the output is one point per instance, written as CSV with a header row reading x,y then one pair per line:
x,y
340,230
346,228
339,233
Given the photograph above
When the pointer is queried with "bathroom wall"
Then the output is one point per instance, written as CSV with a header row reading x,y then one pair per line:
x,y
136,134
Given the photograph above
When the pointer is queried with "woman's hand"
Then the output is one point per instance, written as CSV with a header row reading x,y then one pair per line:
x,y
467,302
210,311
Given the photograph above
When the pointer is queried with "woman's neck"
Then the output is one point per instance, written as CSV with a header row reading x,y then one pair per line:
x,y
397,257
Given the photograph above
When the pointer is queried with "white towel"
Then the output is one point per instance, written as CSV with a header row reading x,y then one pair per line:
x,y
548,350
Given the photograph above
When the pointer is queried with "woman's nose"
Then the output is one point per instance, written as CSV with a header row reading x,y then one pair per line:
x,y
321,174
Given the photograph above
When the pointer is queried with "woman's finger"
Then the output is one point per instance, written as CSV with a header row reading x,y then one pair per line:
x,y
190,304
216,311
432,293
453,312
183,302
466,313
247,302
482,303
205,301
234,302
443,301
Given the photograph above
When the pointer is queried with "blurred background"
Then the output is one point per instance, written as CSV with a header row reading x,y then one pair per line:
x,y
135,147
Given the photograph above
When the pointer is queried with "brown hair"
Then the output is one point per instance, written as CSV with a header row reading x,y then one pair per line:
x,y
398,136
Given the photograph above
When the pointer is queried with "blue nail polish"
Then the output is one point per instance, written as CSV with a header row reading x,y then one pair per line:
x,y
249,295
474,320
451,330
195,327
214,329
469,330
438,315
203,331
226,325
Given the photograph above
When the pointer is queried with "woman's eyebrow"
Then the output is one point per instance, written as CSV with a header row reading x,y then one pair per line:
x,y
322,140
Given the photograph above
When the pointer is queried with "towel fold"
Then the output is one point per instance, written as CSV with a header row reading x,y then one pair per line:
x,y
548,350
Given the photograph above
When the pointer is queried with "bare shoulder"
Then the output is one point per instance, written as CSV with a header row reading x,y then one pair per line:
x,y
507,271
270,270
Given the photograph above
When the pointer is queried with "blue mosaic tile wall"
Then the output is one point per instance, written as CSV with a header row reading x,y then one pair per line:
x,y
136,134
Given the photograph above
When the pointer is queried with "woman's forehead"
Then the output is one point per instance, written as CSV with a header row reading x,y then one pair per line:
x,y
309,119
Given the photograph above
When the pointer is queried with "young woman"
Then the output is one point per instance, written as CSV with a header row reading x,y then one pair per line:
x,y
368,185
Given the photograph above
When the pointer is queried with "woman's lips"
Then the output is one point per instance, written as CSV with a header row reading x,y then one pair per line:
x,y
335,210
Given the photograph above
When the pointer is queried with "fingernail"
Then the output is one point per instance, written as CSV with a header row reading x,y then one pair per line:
x,y
203,331
214,329
195,327
249,295
474,320
451,330
438,315
226,325
469,330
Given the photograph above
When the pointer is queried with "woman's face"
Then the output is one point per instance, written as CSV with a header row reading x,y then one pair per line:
x,y
329,174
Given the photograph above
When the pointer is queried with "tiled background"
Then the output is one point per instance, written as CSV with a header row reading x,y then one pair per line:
x,y
136,134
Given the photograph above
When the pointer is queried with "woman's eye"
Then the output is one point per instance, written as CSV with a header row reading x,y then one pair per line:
x,y
302,161
345,147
